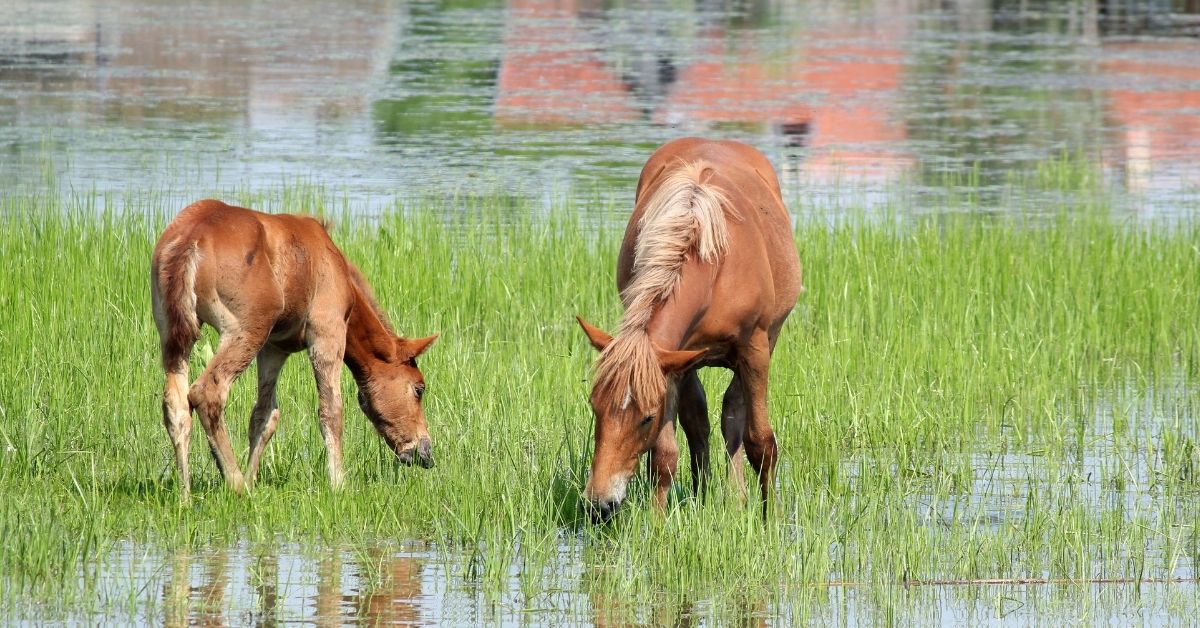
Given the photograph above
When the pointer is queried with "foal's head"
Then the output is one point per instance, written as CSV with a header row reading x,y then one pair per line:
x,y
629,402
391,399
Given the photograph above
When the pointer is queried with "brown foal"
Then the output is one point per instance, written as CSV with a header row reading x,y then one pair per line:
x,y
273,285
708,272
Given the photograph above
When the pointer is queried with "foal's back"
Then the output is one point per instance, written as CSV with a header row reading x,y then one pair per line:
x,y
254,269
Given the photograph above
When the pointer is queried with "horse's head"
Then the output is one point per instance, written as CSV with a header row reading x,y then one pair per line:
x,y
629,415
391,399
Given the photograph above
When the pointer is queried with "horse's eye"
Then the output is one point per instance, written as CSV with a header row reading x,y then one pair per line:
x,y
647,419
419,391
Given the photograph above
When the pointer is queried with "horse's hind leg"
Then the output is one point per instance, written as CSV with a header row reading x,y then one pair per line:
x,y
265,416
211,390
693,418
733,428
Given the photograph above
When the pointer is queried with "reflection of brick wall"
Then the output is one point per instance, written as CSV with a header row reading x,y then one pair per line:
x,y
1159,98
837,94
551,74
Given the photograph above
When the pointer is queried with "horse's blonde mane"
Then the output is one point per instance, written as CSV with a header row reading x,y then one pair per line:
x,y
684,216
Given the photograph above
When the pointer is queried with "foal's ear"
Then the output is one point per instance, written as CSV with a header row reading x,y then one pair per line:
x,y
410,348
678,361
597,336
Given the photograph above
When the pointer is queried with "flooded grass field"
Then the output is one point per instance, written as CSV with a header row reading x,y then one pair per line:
x,y
986,401
956,400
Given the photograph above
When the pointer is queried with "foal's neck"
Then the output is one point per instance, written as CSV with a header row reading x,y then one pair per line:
x,y
368,340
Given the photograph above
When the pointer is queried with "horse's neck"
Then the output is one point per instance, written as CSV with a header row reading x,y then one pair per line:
x,y
673,318
368,340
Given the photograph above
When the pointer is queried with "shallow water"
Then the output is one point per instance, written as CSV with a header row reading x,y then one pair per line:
x,y
896,104
1115,467
416,585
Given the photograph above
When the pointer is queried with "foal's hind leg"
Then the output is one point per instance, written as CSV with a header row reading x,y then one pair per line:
x,y
693,418
211,390
265,416
177,417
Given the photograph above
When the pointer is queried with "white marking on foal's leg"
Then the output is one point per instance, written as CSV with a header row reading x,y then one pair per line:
x,y
177,417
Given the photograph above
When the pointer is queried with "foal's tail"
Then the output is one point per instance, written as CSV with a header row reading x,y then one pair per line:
x,y
173,287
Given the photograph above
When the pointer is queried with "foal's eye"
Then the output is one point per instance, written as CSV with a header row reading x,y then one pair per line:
x,y
419,391
647,419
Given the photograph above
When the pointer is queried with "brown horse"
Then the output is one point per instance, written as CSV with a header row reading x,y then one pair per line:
x,y
273,285
708,272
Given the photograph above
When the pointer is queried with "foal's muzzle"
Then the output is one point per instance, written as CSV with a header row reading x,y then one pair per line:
x,y
421,455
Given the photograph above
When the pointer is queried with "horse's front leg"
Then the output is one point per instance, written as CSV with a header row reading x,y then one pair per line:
x,y
326,356
664,461
693,418
761,447
733,428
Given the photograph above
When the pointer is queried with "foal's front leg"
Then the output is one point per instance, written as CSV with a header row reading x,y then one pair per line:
x,y
326,356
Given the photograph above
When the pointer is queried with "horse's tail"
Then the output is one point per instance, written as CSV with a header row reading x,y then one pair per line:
x,y
686,215
174,293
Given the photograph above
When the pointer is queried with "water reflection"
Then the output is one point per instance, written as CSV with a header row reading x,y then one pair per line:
x,y
196,599
1154,101
382,98
553,72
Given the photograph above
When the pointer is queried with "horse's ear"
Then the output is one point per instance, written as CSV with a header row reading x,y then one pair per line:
x,y
410,348
597,336
678,361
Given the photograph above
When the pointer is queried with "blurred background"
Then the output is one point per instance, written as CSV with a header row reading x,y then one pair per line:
x,y
890,103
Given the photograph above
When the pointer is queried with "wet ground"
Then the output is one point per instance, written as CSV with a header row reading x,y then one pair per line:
x,y
895,104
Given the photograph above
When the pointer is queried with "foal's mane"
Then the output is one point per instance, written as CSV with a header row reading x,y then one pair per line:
x,y
685,216
368,295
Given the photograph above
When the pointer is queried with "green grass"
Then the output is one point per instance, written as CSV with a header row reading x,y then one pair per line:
x,y
954,397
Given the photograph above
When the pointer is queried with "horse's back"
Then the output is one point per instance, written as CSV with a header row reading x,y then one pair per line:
x,y
762,251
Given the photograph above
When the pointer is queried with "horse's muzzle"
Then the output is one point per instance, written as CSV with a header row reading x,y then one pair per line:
x,y
421,455
603,510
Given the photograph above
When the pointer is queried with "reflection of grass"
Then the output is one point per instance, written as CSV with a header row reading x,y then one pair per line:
x,y
956,398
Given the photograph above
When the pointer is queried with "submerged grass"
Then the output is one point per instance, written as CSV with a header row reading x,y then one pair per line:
x,y
954,397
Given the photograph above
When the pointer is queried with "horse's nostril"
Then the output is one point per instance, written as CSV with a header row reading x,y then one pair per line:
x,y
602,511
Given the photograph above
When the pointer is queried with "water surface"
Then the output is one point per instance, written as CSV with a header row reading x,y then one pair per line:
x,y
896,104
